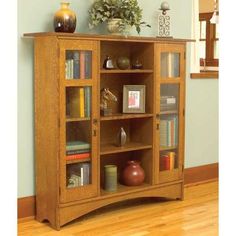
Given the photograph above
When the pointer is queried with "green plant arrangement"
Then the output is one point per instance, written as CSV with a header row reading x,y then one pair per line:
x,y
127,10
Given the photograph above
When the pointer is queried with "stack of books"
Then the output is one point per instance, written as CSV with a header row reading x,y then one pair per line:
x,y
79,102
78,175
167,161
168,103
169,131
78,65
77,150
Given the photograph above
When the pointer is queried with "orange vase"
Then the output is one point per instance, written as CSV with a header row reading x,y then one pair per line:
x,y
65,19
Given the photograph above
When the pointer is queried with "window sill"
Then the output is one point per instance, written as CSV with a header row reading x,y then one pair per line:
x,y
205,75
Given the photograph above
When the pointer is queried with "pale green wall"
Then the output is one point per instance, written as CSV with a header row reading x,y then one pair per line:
x,y
201,95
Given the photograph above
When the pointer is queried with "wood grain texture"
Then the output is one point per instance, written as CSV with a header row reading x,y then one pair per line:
x,y
196,215
46,128
201,173
205,75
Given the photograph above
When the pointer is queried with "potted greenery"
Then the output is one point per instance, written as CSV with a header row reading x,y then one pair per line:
x,y
117,13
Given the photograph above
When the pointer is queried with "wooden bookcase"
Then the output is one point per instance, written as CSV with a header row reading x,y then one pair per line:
x,y
67,113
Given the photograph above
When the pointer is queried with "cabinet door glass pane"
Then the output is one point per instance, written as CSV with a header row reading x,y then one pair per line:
x,y
78,136
78,64
170,64
169,122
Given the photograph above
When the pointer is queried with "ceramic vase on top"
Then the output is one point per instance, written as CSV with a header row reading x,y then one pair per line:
x,y
65,19
113,26
133,174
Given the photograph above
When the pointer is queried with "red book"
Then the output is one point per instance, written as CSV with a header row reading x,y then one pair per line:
x,y
164,162
78,156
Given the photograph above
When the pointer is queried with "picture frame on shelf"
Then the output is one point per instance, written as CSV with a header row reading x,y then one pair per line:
x,y
134,98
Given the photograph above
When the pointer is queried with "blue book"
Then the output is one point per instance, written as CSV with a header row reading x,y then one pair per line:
x,y
77,145
76,64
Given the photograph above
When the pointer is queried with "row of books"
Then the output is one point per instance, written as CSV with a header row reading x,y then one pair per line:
x,y
77,150
78,64
167,161
168,103
78,175
169,131
79,102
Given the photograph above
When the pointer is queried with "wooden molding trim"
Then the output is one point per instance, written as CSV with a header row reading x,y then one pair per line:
x,y
201,173
26,205
205,75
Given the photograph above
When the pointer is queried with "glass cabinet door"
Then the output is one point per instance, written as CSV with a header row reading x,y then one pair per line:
x,y
170,65
169,138
171,61
78,160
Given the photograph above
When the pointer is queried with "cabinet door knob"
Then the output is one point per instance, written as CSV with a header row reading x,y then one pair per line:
x,y
158,116
95,121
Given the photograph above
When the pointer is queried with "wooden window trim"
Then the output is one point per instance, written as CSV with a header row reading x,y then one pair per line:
x,y
210,38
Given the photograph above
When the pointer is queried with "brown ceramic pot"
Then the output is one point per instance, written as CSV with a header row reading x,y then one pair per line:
x,y
65,19
133,174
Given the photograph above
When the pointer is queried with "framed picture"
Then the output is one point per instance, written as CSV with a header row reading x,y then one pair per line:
x,y
134,99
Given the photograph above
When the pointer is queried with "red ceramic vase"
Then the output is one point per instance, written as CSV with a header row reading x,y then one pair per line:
x,y
133,174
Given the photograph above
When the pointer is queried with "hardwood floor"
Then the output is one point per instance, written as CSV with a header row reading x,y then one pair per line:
x,y
196,215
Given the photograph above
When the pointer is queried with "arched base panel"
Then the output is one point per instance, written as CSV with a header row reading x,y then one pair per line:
x,y
69,212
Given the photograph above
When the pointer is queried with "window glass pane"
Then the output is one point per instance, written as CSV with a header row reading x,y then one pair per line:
x,y
202,29
202,47
216,49
170,66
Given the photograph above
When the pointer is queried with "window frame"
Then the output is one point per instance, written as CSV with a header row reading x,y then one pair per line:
x,y
210,39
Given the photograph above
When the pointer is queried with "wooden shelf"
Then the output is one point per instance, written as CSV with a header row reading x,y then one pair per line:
x,y
120,116
122,188
130,71
162,148
78,161
131,146
169,112
77,119
78,82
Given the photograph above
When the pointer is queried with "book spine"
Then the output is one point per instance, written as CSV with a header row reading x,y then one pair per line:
x,y
77,151
82,65
88,101
88,62
81,99
76,64
78,156
82,175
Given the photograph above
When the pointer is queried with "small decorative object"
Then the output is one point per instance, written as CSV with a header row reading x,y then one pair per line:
x,y
110,183
121,137
137,65
106,96
164,21
65,19
129,13
107,64
133,174
123,63
134,99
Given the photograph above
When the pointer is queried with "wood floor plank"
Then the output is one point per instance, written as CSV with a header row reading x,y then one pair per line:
x,y
196,215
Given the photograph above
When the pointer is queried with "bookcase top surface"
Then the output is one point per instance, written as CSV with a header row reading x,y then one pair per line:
x,y
107,37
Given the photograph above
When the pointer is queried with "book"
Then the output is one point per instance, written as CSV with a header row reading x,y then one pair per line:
x,y
88,63
77,145
86,173
76,65
78,151
164,162
87,92
82,64
78,156
81,102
